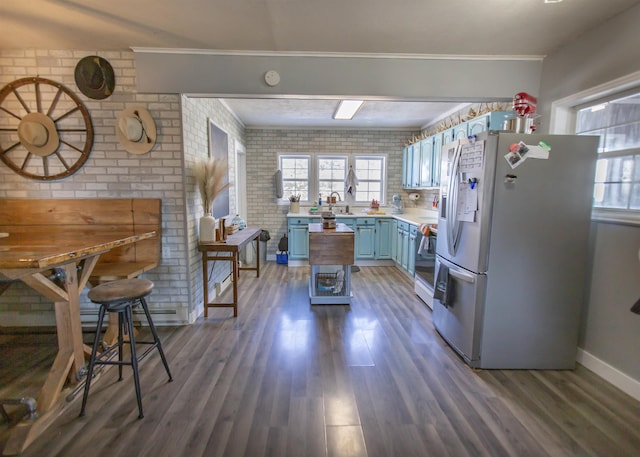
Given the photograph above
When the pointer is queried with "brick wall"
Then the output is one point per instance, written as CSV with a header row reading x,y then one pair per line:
x,y
109,172
263,147
196,113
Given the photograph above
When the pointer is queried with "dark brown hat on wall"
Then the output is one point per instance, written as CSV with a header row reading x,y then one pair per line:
x,y
94,77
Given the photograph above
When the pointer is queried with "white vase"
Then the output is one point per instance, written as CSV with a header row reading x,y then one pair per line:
x,y
207,230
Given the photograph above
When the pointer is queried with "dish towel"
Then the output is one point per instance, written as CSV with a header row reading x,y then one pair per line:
x,y
442,290
424,245
350,183
278,178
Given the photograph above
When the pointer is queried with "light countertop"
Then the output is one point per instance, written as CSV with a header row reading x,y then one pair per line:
x,y
410,216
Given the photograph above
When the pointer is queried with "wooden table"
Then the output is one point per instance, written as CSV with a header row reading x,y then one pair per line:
x,y
233,244
27,256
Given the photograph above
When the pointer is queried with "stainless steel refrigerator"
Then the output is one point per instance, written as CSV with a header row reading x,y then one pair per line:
x,y
512,258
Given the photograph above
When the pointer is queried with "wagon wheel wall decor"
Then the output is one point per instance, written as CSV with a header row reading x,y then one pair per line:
x,y
45,130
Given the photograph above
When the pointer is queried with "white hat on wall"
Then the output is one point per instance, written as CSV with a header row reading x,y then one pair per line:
x,y
136,130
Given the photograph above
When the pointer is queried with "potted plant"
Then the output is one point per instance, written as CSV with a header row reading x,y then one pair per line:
x,y
210,176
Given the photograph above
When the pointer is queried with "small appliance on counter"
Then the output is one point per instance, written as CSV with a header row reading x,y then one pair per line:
x,y
396,204
328,220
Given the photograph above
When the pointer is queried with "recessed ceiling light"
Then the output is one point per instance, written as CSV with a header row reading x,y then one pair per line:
x,y
347,109
552,1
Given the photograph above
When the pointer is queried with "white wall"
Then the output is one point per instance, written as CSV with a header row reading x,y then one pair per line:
x,y
610,337
401,77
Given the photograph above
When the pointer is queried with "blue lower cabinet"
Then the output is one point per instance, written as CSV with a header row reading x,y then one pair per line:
x,y
384,231
393,240
411,261
299,238
366,237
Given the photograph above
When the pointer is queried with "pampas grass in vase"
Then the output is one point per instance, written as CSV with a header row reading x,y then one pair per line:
x,y
210,174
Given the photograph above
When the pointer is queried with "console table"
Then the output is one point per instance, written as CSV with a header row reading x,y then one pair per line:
x,y
233,244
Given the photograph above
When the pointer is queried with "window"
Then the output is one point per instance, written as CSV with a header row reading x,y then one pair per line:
x,y
617,121
370,174
314,174
296,176
332,172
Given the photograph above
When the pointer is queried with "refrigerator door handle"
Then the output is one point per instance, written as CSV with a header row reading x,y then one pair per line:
x,y
453,226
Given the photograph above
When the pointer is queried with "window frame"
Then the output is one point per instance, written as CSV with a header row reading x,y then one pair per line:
x,y
314,179
563,120
320,157
382,179
285,198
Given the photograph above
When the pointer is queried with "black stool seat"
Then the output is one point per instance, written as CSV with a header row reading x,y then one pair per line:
x,y
120,297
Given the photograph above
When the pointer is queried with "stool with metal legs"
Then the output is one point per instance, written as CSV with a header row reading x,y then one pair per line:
x,y
121,297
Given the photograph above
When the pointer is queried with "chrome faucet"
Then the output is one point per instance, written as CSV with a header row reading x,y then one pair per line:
x,y
331,199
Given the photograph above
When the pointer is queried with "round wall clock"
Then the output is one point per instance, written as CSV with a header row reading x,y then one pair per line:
x,y
45,130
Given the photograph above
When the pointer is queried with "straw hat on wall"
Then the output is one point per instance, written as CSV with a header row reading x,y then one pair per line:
x,y
38,134
136,129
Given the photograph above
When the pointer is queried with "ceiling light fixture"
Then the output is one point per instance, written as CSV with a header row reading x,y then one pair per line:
x,y
552,1
347,109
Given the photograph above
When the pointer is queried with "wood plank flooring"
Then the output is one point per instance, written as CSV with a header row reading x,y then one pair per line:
x,y
289,379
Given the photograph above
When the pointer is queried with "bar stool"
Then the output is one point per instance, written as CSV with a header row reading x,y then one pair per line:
x,y
121,297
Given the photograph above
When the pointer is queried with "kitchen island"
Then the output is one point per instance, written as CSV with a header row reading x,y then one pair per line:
x,y
330,257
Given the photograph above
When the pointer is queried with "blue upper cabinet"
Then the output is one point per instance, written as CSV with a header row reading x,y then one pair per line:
x,y
460,131
437,151
489,121
421,160
447,136
414,180
405,165
426,162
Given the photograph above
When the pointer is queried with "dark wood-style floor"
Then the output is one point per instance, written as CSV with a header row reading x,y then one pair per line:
x,y
373,379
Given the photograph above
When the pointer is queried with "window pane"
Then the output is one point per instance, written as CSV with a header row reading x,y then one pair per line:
x,y
370,173
635,197
615,169
622,137
592,118
612,195
625,110
295,176
331,175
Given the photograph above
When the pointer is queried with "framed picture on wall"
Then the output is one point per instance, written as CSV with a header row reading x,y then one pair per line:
x,y
219,149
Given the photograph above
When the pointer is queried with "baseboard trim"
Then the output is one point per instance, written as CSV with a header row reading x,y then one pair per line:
x,y
222,286
622,381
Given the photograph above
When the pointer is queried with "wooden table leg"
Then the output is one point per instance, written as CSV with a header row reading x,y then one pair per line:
x,y
258,256
235,261
69,362
205,283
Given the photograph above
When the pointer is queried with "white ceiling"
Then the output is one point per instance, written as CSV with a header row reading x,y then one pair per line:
x,y
427,27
